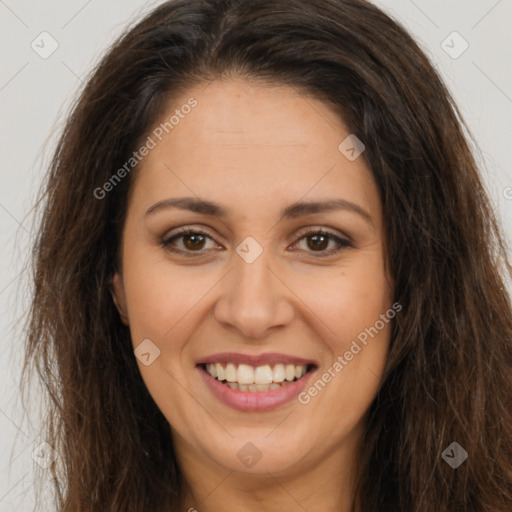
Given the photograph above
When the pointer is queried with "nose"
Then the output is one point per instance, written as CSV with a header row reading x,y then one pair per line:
x,y
254,298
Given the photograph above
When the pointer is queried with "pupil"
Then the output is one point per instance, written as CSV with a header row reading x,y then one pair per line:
x,y
322,245
193,244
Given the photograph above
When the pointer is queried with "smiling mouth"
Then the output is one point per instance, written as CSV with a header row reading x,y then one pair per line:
x,y
243,377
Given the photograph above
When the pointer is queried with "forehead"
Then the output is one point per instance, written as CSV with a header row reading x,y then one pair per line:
x,y
248,142
241,115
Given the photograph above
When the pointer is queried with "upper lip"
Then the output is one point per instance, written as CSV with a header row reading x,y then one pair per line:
x,y
270,358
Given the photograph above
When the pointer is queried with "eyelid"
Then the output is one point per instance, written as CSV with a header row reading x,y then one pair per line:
x,y
166,239
324,230
342,240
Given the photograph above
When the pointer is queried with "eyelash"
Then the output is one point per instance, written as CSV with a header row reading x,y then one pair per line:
x,y
167,241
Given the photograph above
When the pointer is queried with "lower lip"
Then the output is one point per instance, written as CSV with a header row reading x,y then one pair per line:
x,y
251,401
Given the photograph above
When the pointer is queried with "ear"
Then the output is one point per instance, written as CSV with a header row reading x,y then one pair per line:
x,y
119,297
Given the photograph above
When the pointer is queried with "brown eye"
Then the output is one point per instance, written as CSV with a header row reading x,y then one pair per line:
x,y
187,241
193,241
317,241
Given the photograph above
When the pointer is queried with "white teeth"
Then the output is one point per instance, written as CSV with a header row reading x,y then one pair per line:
x,y
244,377
300,370
230,373
245,374
263,374
212,370
220,371
278,374
256,387
289,372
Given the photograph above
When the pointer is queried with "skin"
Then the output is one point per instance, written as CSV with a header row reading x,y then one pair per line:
x,y
255,149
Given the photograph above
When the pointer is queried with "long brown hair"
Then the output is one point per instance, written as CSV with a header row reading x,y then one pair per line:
x,y
449,371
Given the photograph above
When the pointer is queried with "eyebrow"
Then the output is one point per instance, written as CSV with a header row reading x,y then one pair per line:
x,y
293,211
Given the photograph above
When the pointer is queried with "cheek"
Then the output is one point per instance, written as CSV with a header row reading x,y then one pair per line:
x,y
159,294
349,305
162,300
347,299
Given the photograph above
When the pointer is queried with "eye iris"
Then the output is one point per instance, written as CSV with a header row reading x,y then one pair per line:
x,y
193,238
322,245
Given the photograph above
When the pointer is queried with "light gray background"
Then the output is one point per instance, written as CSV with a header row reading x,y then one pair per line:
x,y
36,93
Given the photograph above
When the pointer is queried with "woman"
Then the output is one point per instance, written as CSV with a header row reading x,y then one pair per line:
x,y
268,276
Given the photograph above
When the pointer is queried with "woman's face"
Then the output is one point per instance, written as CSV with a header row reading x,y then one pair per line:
x,y
274,280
